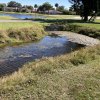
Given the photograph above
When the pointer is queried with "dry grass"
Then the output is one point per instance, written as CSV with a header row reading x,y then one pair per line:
x,y
58,78
20,32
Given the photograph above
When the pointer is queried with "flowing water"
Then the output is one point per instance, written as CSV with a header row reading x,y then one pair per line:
x,y
13,57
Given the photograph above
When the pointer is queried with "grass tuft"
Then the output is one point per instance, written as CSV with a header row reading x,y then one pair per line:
x,y
72,76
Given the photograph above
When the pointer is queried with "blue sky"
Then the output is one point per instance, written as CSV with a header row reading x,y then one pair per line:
x,y
32,2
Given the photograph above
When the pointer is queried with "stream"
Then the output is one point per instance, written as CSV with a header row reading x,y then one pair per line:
x,y
14,57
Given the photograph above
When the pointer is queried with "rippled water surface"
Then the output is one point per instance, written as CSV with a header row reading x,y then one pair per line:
x,y
13,57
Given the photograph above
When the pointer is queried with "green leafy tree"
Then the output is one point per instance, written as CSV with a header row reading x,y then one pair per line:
x,y
30,7
14,4
35,6
56,5
47,6
88,7
61,8
2,7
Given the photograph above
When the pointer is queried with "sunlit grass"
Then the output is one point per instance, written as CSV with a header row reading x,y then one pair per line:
x,y
60,16
72,76
89,25
6,18
20,32
14,25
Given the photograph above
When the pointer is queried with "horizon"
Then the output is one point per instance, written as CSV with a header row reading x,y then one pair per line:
x,y
65,3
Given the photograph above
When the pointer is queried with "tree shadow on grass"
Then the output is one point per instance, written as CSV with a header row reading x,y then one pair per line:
x,y
64,21
57,20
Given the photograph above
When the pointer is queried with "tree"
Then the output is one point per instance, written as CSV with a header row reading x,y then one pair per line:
x,y
61,8
56,5
45,6
40,8
30,7
88,7
71,8
2,7
14,4
35,6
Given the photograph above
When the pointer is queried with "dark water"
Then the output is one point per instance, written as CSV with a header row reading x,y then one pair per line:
x,y
13,57
23,16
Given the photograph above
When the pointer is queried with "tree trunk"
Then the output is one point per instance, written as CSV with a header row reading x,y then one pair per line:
x,y
85,17
86,10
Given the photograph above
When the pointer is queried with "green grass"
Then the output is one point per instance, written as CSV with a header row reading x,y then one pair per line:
x,y
7,25
60,16
6,18
2,12
56,18
20,32
74,76
95,25
71,20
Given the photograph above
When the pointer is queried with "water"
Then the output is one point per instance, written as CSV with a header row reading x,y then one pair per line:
x,y
23,16
13,57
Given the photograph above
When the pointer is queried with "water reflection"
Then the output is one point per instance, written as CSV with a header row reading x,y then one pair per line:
x,y
12,58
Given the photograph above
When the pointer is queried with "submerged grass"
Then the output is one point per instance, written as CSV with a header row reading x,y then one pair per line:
x,y
72,76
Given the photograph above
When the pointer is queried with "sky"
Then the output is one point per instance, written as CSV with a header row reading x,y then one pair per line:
x,y
39,2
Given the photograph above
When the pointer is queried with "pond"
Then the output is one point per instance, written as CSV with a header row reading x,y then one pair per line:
x,y
23,16
13,57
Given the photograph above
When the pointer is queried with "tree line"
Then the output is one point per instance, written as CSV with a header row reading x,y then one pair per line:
x,y
37,8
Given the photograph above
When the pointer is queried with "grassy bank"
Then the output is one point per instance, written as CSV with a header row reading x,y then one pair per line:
x,y
54,17
78,26
6,18
72,76
72,20
2,12
20,32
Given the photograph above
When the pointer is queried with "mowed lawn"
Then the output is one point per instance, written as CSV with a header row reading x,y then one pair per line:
x,y
6,18
74,19
94,25
61,16
14,25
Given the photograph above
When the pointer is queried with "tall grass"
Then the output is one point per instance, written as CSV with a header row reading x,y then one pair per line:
x,y
72,76
20,32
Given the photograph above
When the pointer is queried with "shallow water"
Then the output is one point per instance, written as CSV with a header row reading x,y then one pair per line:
x,y
13,57
23,16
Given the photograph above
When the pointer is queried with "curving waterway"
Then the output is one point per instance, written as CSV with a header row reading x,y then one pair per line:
x,y
13,57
